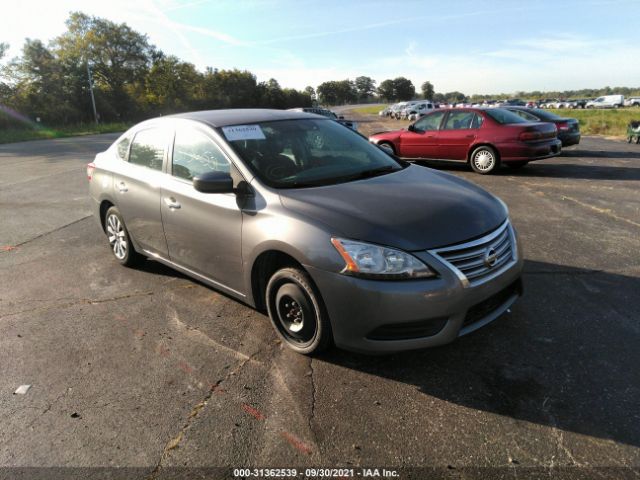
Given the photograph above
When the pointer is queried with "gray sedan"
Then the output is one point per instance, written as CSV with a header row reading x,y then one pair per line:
x,y
299,216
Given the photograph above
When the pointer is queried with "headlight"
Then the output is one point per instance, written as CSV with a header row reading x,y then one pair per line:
x,y
373,261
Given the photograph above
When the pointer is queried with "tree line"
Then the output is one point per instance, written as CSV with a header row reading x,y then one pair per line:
x,y
132,80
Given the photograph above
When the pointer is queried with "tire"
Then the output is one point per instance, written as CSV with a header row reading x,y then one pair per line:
x,y
390,145
629,139
119,239
637,139
484,160
297,312
516,164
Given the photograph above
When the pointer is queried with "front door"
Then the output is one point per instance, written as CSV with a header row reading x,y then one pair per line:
x,y
422,140
458,134
203,230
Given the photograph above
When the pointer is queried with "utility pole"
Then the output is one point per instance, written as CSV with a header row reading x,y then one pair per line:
x,y
93,100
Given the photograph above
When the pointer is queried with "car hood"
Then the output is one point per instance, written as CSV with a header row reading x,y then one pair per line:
x,y
413,209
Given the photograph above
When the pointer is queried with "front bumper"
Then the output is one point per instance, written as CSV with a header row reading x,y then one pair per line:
x,y
372,316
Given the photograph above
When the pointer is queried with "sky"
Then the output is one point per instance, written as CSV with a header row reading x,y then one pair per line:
x,y
484,47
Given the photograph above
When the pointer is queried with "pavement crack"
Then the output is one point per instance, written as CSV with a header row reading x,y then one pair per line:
x,y
79,301
603,211
51,231
313,396
175,441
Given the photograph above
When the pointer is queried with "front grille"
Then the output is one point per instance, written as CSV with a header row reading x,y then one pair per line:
x,y
480,260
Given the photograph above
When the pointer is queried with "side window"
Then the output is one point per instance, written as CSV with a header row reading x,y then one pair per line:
x,y
459,121
429,122
123,147
477,121
148,147
194,153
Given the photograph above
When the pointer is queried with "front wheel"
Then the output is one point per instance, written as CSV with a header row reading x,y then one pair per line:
x,y
484,160
297,312
119,239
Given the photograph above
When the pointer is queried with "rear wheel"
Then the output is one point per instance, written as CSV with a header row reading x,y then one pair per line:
x,y
516,164
390,145
119,239
484,160
297,312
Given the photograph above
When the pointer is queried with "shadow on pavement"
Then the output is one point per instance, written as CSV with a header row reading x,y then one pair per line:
x,y
550,170
566,357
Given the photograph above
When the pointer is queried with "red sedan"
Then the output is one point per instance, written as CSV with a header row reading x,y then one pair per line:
x,y
484,138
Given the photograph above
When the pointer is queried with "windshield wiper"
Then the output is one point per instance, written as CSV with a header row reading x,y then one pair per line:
x,y
374,172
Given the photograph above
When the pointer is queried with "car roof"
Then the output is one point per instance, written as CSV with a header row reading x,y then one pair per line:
x,y
240,116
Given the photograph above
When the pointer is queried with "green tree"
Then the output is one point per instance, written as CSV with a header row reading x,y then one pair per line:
x,y
387,91
427,90
403,88
229,89
366,87
120,58
170,86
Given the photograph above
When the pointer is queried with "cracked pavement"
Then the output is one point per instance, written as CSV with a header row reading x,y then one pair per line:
x,y
147,368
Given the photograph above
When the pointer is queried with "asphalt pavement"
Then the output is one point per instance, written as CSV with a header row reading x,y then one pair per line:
x,y
146,368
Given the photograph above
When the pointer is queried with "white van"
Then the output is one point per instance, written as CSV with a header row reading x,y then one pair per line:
x,y
608,101
418,109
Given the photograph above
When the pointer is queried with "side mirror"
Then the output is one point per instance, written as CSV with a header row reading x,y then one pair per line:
x,y
411,128
213,182
341,117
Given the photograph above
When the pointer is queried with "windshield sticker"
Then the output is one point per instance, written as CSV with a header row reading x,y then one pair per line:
x,y
243,132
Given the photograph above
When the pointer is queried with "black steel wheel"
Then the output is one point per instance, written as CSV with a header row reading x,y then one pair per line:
x,y
297,312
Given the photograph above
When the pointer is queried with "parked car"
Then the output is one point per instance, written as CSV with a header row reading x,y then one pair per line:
x,y
632,102
568,128
484,138
417,110
325,112
243,201
396,108
384,112
607,101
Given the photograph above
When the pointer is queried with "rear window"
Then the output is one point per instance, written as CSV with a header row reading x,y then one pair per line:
x,y
547,116
123,148
504,117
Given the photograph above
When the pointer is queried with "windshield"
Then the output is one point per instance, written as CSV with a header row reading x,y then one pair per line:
x,y
307,153
505,117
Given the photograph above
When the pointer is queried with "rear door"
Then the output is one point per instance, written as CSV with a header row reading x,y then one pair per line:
x,y
203,230
458,133
137,186
422,142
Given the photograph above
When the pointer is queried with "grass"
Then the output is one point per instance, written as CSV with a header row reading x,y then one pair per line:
x,y
11,135
370,110
610,122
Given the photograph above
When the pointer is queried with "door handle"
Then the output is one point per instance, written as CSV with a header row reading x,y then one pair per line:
x,y
470,136
171,203
122,187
